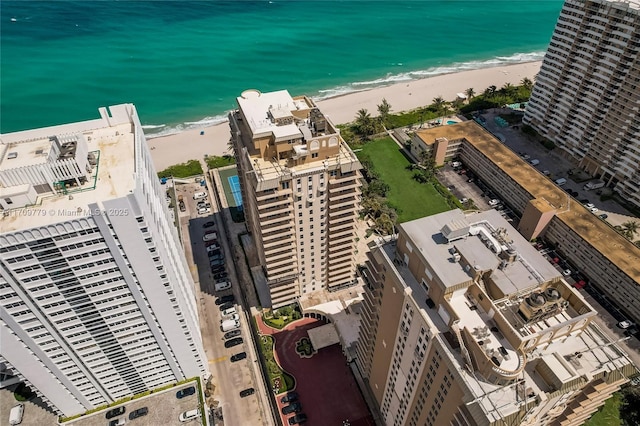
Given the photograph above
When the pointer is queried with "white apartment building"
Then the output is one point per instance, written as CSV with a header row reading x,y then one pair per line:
x,y
301,192
96,299
587,95
465,323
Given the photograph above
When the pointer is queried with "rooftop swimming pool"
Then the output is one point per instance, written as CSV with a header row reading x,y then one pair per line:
x,y
452,122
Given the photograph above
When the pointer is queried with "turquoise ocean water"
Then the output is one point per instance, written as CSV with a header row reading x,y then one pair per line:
x,y
183,62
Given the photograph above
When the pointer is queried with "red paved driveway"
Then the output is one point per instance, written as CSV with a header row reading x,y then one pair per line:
x,y
328,392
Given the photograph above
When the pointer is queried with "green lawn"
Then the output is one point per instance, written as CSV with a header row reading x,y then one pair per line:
x,y
609,414
411,199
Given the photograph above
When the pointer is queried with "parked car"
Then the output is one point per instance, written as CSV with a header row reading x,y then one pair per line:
x,y
225,299
185,392
225,285
189,415
603,216
233,342
625,324
494,202
292,408
208,224
234,317
118,411
247,392
118,422
226,306
231,334
138,413
298,419
566,272
289,397
229,311
219,274
239,356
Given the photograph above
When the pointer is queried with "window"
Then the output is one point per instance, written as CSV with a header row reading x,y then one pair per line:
x,y
310,179
285,185
8,201
314,155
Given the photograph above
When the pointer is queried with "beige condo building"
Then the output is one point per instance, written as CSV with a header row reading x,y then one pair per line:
x,y
607,259
587,95
301,192
465,323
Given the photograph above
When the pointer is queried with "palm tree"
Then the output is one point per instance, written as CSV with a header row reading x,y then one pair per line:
x,y
507,89
630,229
438,104
364,123
383,111
492,90
527,83
470,93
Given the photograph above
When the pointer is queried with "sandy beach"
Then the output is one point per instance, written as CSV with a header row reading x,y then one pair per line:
x,y
191,144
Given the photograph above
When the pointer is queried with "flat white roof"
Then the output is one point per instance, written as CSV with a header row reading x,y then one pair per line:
x,y
257,106
113,177
16,155
323,336
425,233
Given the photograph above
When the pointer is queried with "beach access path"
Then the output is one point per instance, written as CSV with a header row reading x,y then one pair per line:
x,y
194,144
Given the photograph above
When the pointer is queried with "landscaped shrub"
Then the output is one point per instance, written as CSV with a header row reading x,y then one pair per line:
x,y
190,168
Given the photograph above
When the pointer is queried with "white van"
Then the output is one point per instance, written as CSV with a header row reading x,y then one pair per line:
x,y
225,285
199,195
15,415
204,210
229,325
560,181
189,415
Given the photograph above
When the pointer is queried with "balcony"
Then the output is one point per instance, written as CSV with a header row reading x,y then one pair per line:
x,y
286,249
277,239
337,219
342,204
265,224
334,180
265,195
274,200
283,209
333,189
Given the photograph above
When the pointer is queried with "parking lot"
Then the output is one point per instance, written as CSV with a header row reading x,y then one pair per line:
x,y
212,262
164,408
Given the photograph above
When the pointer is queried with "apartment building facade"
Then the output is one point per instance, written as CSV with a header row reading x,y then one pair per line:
x,y
96,297
464,323
301,191
587,95
607,259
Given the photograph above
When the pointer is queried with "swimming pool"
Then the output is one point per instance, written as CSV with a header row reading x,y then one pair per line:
x,y
452,122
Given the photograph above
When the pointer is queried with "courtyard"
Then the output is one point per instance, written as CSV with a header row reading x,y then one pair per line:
x,y
324,382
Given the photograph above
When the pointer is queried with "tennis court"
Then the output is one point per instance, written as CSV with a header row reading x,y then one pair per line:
x,y
232,192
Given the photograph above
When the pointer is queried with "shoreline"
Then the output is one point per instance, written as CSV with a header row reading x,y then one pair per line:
x,y
190,144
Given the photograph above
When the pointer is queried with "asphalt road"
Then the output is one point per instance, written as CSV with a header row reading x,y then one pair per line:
x,y
228,378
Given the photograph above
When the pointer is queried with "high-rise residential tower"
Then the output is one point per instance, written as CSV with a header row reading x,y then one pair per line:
x,y
96,299
587,95
301,191
465,323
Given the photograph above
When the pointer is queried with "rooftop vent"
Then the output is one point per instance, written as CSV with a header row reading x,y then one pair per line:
x,y
39,151
535,299
12,155
552,294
